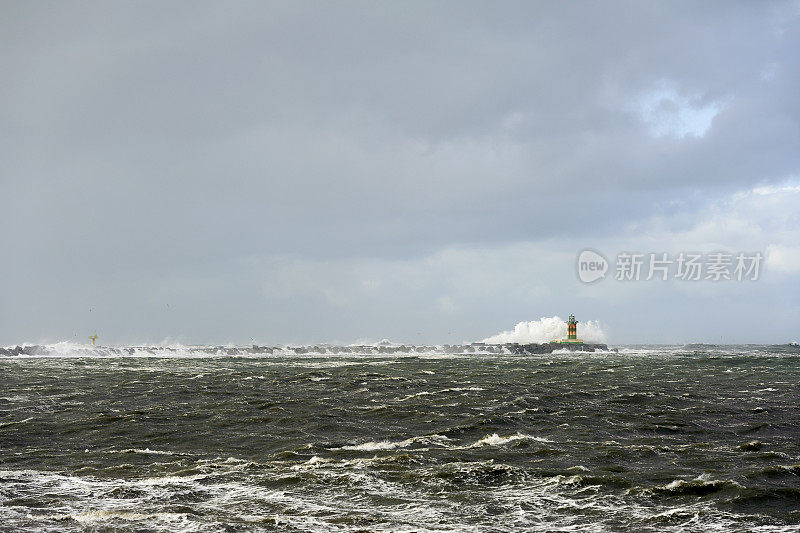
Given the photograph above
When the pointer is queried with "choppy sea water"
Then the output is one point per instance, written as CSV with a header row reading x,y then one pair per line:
x,y
649,439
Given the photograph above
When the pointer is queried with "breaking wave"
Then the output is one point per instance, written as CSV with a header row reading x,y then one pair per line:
x,y
547,329
496,440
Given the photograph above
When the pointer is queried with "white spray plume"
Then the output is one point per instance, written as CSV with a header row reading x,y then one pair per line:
x,y
547,329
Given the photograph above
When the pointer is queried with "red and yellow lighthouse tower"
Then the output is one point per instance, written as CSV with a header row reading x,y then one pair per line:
x,y
572,328
572,333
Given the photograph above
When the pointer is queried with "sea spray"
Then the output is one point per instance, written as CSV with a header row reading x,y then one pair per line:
x,y
547,329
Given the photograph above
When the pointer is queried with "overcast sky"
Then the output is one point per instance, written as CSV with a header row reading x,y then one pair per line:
x,y
239,172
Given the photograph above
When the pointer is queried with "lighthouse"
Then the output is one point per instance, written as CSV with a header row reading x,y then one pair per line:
x,y
572,328
572,333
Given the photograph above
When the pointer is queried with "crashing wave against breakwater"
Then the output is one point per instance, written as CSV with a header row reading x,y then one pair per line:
x,y
68,349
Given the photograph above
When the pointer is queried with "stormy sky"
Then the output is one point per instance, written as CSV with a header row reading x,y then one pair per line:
x,y
238,172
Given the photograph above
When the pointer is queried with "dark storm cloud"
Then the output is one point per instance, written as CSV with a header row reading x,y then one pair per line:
x,y
151,147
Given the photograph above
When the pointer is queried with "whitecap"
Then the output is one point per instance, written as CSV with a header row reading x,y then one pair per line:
x,y
381,445
146,451
496,440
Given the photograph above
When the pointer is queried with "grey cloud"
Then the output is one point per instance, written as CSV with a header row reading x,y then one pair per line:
x,y
152,145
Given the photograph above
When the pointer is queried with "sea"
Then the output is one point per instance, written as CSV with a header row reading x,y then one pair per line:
x,y
399,438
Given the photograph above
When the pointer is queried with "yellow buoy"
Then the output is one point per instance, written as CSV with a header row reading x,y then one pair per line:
x,y
93,338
